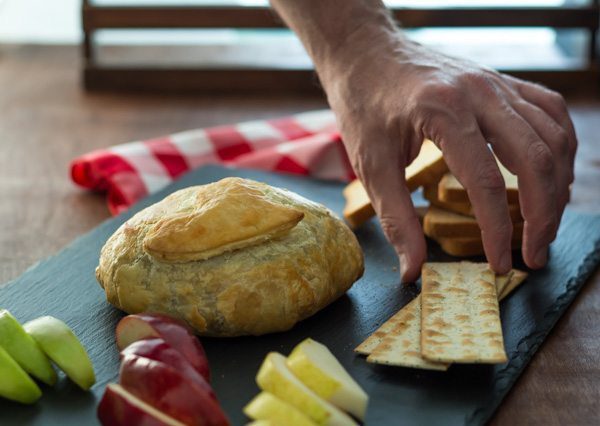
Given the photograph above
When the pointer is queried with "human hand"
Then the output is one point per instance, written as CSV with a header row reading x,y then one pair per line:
x,y
389,94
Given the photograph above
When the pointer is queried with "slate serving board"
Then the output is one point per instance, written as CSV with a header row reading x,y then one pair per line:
x,y
65,286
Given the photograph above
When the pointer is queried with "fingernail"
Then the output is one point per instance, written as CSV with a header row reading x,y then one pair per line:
x,y
506,262
403,266
541,257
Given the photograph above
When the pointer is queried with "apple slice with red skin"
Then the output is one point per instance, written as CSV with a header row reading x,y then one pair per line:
x,y
170,391
177,334
159,350
121,408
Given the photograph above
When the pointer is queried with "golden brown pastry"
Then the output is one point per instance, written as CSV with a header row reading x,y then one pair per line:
x,y
231,258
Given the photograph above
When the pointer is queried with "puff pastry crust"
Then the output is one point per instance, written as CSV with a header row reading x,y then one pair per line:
x,y
231,258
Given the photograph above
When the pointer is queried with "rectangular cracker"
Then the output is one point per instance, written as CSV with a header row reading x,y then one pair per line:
x,y
371,342
430,193
401,346
398,341
467,247
427,168
358,208
440,223
460,319
451,190
516,279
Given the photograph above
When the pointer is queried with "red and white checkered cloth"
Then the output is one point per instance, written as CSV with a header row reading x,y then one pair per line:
x,y
303,144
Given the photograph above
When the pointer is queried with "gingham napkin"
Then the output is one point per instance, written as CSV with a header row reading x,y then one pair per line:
x,y
304,144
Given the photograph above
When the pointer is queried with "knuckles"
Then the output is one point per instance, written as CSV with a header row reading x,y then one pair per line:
x,y
441,94
540,157
563,146
489,178
557,101
478,81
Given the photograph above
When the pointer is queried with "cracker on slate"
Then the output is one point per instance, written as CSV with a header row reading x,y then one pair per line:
x,y
398,341
402,345
502,281
460,319
517,278
371,342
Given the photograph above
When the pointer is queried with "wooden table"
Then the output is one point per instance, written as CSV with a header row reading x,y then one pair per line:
x,y
46,120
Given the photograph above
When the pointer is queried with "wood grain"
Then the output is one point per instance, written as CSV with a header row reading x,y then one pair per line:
x,y
46,120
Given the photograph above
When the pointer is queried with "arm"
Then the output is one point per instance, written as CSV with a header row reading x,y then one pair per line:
x,y
390,93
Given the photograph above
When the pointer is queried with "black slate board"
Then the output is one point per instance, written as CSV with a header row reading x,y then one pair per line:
x,y
64,286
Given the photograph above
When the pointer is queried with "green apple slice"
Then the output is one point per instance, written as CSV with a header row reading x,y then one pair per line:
x,y
266,406
15,384
319,369
62,346
23,349
275,377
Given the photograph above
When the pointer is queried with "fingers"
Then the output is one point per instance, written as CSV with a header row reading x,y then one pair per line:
x,y
470,160
557,140
525,154
554,105
391,200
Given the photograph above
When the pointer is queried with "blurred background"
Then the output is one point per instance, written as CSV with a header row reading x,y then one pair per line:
x,y
189,44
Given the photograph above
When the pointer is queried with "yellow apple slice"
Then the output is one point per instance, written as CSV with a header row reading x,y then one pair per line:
x,y
275,377
320,370
266,406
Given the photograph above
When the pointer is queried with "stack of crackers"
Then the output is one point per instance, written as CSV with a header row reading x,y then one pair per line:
x,y
449,220
455,319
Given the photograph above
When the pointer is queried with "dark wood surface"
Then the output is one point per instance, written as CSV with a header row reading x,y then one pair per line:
x,y
584,16
46,120
220,80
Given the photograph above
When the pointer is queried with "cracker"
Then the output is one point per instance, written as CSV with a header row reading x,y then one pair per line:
x,y
451,190
502,281
358,208
371,342
443,223
430,193
427,168
460,320
402,345
516,279
466,247
398,341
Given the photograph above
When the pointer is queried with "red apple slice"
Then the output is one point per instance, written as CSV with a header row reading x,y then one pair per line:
x,y
143,326
170,391
120,408
159,350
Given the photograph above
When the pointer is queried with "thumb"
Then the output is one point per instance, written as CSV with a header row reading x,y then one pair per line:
x,y
392,202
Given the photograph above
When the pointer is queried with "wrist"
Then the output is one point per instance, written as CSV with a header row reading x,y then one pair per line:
x,y
364,40
364,52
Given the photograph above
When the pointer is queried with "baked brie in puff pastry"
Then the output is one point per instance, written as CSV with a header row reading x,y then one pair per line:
x,y
231,258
